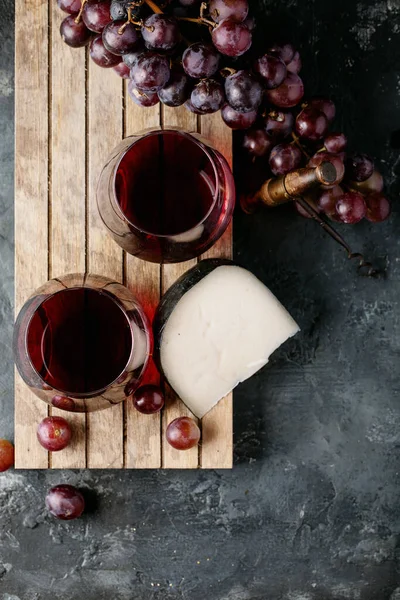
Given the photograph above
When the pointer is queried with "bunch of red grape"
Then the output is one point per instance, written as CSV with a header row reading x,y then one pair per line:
x,y
145,45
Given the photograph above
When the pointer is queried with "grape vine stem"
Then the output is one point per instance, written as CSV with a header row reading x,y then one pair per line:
x,y
79,15
199,21
297,142
154,7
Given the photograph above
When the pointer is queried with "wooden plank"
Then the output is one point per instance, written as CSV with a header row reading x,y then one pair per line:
x,y
174,407
105,428
217,425
68,190
31,201
143,443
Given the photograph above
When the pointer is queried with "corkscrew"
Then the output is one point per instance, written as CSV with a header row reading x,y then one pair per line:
x,y
295,186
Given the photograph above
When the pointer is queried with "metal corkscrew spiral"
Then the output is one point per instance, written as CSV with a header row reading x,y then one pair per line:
x,y
294,186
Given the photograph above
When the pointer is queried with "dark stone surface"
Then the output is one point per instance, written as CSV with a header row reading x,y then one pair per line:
x,y
311,510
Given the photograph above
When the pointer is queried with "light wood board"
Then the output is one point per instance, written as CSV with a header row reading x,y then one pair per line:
x,y
69,115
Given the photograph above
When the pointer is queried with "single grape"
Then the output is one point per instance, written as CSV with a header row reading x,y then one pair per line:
x,y
120,37
243,91
119,10
74,34
250,23
351,207
325,105
122,70
326,201
337,162
359,167
6,455
200,60
183,433
230,38
160,32
96,15
65,502
70,6
272,69
236,10
238,120
100,55
295,64
148,399
378,207
311,124
284,158
335,142
177,89
285,52
208,96
54,433
63,403
145,99
257,142
289,93
131,58
189,106
151,72
370,185
279,124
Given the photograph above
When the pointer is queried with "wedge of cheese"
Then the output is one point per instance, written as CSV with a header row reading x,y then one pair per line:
x,y
216,327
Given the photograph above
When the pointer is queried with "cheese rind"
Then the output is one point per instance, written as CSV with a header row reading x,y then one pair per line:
x,y
221,332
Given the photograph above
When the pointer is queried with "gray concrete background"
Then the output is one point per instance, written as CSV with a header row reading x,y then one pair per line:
x,y
311,509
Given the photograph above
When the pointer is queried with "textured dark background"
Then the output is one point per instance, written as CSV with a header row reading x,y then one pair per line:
x,y
311,510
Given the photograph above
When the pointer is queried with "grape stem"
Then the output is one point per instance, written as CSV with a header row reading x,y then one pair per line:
x,y
363,265
297,142
199,21
154,7
79,15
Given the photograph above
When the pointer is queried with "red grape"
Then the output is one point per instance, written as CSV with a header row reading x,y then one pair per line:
x,y
142,98
200,60
236,10
151,72
119,10
324,105
177,89
295,64
100,55
359,167
189,106
289,93
54,433
160,32
122,70
237,120
370,185
285,52
96,15
257,142
284,158
335,142
327,201
351,207
132,57
272,69
230,38
279,124
208,96
74,34
337,162
250,23
120,37
6,455
65,502
378,207
311,124
243,91
148,399
63,403
183,433
70,6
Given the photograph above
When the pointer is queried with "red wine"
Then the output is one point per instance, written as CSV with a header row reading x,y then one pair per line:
x,y
79,340
165,184
166,196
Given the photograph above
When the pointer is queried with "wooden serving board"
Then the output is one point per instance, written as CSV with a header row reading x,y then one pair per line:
x,y
69,115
